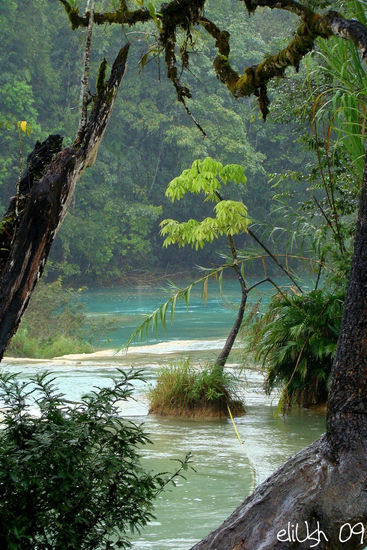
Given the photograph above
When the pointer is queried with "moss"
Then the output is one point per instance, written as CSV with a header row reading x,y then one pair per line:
x,y
7,222
255,78
101,78
120,16
225,73
186,13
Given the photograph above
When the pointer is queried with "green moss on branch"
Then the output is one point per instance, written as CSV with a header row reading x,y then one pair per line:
x,y
122,16
185,14
254,79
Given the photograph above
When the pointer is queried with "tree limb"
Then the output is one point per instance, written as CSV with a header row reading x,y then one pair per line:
x,y
47,188
185,14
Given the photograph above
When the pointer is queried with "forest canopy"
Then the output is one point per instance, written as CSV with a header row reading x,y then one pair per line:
x,y
113,224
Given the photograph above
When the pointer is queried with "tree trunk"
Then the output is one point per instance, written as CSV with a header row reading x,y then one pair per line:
x,y
46,189
323,487
223,356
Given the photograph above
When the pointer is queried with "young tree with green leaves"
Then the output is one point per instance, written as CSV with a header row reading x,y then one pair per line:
x,y
207,177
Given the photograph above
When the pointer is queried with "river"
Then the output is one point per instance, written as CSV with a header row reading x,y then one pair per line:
x,y
225,468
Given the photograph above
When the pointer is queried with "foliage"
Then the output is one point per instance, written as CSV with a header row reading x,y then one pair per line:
x,y
320,228
111,227
295,340
206,177
342,102
71,477
24,345
183,389
330,100
54,324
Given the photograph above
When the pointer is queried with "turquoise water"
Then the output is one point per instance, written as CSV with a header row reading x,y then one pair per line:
x,y
126,308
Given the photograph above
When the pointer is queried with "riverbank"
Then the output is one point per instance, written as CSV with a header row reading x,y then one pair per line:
x,y
171,349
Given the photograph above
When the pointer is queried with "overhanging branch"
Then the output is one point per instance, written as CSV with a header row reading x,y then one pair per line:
x,y
185,14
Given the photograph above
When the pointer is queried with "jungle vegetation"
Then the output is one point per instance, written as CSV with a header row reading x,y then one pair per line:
x,y
111,231
55,324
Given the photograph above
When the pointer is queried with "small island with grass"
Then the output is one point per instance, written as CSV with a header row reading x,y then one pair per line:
x,y
192,391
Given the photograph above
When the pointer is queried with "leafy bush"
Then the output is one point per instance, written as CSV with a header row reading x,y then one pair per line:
x,y
71,478
54,324
183,389
295,341
22,345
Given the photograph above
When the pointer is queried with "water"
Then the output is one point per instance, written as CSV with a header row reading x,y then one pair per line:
x,y
126,308
225,469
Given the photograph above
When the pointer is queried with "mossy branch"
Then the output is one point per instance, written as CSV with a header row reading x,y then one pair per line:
x,y
255,78
122,16
185,14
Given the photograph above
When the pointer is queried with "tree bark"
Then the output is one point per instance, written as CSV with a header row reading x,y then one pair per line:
x,y
325,484
311,487
347,407
223,356
46,189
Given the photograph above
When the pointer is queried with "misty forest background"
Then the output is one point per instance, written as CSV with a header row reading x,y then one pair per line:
x,y
111,233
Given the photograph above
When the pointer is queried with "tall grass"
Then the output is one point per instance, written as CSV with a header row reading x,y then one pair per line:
x,y
185,390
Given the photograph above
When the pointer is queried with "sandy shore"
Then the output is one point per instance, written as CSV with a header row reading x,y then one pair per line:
x,y
162,348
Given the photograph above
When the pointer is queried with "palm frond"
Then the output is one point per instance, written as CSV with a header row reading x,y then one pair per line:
x,y
159,316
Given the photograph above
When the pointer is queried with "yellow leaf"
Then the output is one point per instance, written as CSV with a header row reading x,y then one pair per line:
x,y
23,125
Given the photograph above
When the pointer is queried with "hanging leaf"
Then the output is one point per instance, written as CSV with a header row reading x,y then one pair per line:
x,y
22,124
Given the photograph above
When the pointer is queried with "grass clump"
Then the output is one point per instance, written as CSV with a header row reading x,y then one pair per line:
x,y
188,391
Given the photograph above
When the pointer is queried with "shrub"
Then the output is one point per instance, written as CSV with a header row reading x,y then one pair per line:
x,y
23,345
295,341
71,478
184,390
54,324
